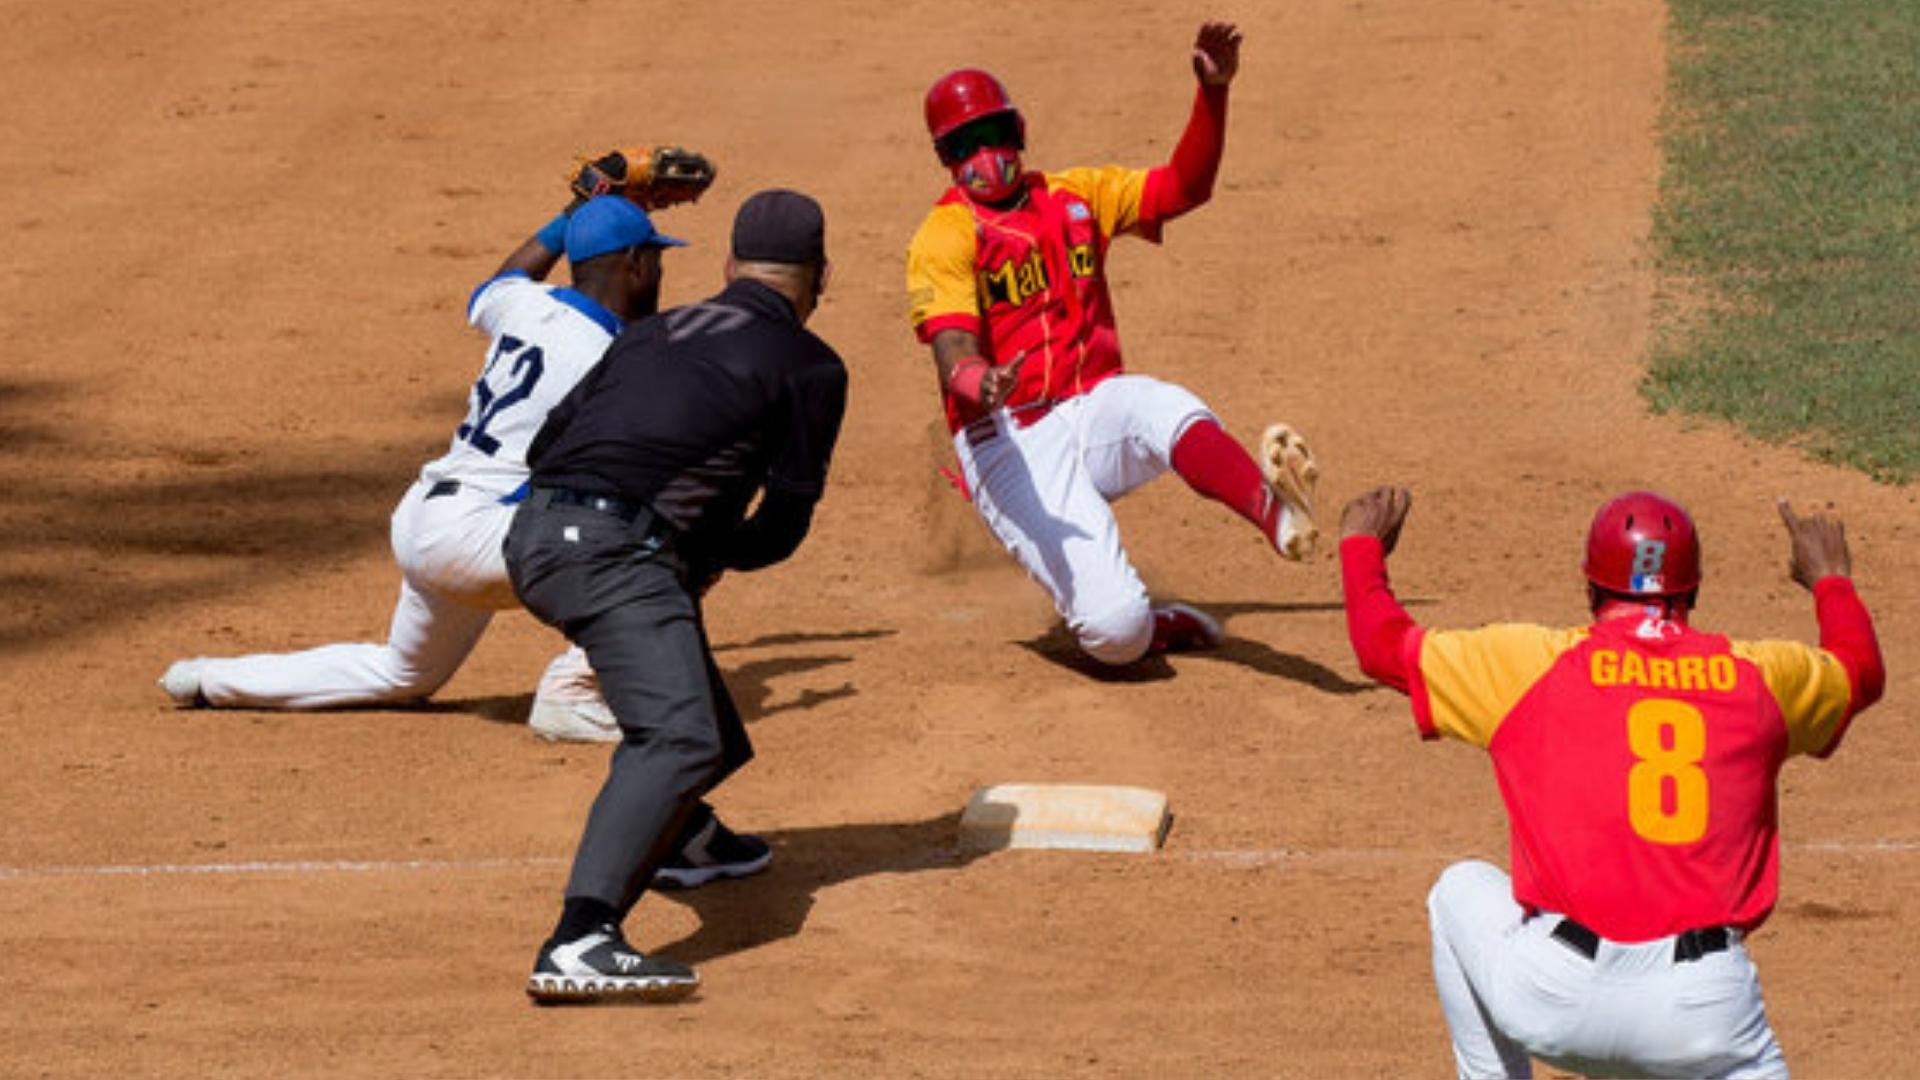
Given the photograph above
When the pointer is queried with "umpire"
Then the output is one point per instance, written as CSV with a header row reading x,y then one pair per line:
x,y
641,482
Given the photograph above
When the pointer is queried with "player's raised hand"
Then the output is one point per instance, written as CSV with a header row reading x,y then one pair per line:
x,y
1819,546
1378,513
1216,53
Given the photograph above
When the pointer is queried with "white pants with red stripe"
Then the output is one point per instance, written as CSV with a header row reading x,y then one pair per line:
x,y
1511,989
1045,491
453,579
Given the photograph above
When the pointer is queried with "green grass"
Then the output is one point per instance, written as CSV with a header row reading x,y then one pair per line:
x,y
1790,216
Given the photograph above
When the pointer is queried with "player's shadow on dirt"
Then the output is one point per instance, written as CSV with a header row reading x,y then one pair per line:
x,y
804,638
751,683
739,915
1058,646
511,709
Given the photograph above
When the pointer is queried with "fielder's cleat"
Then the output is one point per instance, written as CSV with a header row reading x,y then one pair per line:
x,y
1290,470
711,853
602,967
182,683
573,721
1182,628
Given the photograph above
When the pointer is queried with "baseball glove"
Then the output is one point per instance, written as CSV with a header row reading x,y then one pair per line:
x,y
653,176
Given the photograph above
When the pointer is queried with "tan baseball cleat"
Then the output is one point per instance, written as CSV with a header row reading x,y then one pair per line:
x,y
1291,472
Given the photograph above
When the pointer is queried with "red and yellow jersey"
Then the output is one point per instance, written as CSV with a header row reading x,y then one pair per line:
x,y
1637,759
1032,279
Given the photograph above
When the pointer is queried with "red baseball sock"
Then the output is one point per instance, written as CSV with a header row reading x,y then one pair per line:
x,y
1213,464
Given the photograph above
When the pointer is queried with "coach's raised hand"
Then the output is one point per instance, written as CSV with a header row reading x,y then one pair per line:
x,y
1819,546
1379,513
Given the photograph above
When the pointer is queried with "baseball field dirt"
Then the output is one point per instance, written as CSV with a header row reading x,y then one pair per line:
x,y
239,238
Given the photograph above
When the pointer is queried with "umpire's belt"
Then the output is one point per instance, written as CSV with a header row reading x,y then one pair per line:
x,y
625,509
1687,946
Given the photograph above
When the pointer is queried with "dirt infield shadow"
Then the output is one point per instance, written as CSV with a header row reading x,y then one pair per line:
x,y
1058,647
166,526
751,682
224,535
736,916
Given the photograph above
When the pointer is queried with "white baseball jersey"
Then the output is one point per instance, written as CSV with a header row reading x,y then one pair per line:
x,y
545,340
447,538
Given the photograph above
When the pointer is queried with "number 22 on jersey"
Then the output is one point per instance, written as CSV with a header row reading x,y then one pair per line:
x,y
1669,739
525,371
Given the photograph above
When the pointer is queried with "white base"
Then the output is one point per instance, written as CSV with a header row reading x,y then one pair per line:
x,y
1081,817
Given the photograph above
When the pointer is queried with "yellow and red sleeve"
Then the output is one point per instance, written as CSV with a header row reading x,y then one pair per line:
x,y
941,290
1820,690
1470,680
1115,195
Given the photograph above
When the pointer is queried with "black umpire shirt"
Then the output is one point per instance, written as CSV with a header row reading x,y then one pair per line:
x,y
692,411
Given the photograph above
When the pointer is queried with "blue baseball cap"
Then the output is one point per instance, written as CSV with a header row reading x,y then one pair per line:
x,y
610,223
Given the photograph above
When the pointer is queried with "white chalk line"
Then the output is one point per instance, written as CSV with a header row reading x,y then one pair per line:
x,y
1258,857
265,867
1248,858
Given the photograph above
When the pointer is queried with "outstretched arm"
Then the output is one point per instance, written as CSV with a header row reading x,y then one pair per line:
x,y
1187,181
1380,629
535,257
541,252
1821,563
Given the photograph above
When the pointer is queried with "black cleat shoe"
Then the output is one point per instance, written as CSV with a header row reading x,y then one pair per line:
x,y
602,967
713,852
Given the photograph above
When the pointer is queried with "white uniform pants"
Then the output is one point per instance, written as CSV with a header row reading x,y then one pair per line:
x,y
1044,490
453,579
1510,989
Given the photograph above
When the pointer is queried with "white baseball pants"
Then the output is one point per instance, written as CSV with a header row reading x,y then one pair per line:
x,y
1044,490
1510,989
453,580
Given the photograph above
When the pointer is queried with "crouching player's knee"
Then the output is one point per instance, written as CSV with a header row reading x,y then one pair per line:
x,y
1465,886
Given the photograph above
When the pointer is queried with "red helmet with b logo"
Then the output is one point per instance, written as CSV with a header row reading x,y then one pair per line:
x,y
1643,544
961,97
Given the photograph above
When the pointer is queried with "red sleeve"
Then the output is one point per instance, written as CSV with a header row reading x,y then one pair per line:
x,y
1380,629
1187,180
926,330
1846,631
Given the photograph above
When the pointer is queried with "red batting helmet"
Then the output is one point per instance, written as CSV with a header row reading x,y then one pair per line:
x,y
1643,544
961,97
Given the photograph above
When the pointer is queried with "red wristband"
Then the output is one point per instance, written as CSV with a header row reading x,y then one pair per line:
x,y
964,378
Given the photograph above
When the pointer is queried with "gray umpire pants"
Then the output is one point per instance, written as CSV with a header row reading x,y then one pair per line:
x,y
620,590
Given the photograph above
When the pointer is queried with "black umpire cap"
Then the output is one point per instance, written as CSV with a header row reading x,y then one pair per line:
x,y
780,226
